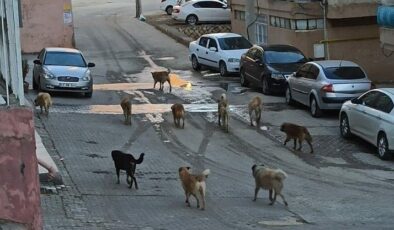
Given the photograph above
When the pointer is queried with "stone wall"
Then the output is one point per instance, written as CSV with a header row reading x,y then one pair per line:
x,y
198,30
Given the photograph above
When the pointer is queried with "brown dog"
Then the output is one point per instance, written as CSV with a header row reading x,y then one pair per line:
x,y
178,112
162,77
269,179
256,106
43,100
125,103
223,111
295,132
194,185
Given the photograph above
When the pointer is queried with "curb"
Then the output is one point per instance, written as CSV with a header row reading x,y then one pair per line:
x,y
173,33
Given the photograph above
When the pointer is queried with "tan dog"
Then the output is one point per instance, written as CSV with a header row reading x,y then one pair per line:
x,y
255,105
223,111
178,112
162,77
43,100
269,179
194,185
125,103
296,132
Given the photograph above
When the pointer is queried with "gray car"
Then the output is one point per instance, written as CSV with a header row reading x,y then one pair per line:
x,y
327,84
62,70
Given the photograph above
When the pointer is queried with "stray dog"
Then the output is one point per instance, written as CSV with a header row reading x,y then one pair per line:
x,y
43,100
223,111
269,179
194,185
125,103
162,77
178,112
127,162
256,106
295,132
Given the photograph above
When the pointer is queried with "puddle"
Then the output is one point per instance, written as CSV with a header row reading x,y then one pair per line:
x,y
164,58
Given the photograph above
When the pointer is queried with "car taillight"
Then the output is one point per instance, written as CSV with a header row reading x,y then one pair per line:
x,y
373,86
327,88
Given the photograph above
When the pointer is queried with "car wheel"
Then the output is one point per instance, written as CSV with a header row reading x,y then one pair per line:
x,y
195,64
244,82
288,98
192,19
383,147
265,88
314,108
169,10
89,94
344,126
223,69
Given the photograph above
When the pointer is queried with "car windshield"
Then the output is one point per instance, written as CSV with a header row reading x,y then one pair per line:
x,y
64,59
278,57
344,73
234,43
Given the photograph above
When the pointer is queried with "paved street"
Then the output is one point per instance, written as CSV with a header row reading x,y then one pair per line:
x,y
344,185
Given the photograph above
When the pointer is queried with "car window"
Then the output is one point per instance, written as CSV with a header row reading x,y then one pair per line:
x,y
384,103
275,57
212,43
303,70
344,73
64,59
197,5
215,5
203,41
313,72
369,99
234,43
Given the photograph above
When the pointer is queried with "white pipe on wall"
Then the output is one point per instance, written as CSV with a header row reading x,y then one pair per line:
x,y
18,60
5,55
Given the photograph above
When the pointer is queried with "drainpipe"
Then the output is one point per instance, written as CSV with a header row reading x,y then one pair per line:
x,y
323,4
18,58
5,55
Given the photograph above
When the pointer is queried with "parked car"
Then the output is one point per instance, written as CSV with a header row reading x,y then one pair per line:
x,y
168,5
218,50
268,66
195,11
63,70
371,117
326,84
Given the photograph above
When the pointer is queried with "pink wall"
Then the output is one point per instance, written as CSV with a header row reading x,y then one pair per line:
x,y
19,189
44,25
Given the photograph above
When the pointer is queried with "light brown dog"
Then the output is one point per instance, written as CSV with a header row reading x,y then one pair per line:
x,y
223,111
43,100
194,185
296,132
255,105
269,179
178,112
162,77
125,103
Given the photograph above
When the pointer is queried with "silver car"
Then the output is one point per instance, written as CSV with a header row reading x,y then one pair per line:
x,y
371,117
326,84
62,70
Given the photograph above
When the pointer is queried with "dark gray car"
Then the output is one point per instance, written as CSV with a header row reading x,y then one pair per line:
x,y
326,84
62,70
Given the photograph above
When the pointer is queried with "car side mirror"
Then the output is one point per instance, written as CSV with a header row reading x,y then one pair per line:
x,y
37,62
90,64
356,101
213,49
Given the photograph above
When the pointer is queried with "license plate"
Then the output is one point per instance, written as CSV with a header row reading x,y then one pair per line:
x,y
66,85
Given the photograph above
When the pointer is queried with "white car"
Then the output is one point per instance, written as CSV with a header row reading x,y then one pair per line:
x,y
371,117
218,50
195,11
168,5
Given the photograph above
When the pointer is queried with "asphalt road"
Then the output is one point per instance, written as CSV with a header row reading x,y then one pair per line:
x,y
342,186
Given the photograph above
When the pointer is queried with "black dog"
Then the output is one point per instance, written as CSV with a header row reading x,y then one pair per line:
x,y
125,161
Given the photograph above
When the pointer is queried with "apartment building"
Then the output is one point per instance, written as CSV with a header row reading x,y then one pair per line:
x,y
322,29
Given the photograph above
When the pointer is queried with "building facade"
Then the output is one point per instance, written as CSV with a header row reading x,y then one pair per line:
x,y
322,29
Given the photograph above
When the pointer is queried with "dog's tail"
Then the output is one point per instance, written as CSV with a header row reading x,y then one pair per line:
x,y
280,174
206,172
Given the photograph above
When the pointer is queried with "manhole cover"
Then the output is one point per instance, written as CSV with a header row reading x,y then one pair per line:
x,y
287,221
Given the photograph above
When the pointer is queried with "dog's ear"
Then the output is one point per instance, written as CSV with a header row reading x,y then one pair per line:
x,y
188,168
254,166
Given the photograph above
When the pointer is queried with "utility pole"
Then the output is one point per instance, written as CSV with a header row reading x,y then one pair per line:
x,y
137,8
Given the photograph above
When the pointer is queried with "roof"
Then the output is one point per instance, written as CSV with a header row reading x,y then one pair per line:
x,y
62,49
335,63
223,35
388,91
278,47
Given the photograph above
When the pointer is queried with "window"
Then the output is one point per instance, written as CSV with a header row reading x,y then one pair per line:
x,y
296,24
64,59
344,73
369,99
212,43
285,56
384,103
261,33
203,41
303,70
240,15
313,72
234,43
